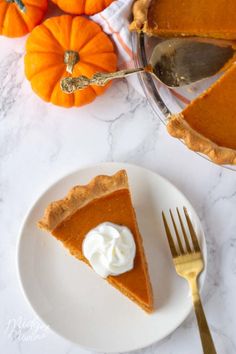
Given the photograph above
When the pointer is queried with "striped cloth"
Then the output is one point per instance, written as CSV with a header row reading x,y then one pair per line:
x,y
115,21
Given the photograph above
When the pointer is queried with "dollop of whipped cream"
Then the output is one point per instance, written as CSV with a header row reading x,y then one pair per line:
x,y
110,249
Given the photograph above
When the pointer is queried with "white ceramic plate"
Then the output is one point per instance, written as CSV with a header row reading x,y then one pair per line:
x,y
82,307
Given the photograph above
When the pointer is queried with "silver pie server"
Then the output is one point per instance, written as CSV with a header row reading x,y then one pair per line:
x,y
175,62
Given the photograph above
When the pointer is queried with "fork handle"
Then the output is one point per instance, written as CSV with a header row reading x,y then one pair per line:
x,y
205,334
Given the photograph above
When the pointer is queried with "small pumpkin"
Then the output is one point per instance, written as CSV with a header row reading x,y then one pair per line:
x,y
79,7
63,45
18,17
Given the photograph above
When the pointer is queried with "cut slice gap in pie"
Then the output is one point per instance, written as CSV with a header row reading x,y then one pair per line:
x,y
208,124
211,18
104,199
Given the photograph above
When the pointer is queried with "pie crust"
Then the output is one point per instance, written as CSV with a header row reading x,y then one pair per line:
x,y
140,10
179,128
79,196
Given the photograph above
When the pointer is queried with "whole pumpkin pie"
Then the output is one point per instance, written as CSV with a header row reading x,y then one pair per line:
x,y
106,200
210,18
208,123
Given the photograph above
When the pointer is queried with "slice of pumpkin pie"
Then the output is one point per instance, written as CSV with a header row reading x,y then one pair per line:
x,y
97,224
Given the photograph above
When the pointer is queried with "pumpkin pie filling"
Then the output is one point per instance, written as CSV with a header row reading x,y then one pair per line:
x,y
104,199
211,18
208,124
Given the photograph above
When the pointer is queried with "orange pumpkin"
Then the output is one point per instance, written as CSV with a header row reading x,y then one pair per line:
x,y
18,17
62,45
78,7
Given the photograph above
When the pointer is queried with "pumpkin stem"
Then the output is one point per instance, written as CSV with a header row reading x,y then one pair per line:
x,y
71,58
19,3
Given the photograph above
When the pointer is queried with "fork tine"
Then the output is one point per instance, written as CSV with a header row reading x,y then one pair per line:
x,y
177,233
192,232
169,237
184,232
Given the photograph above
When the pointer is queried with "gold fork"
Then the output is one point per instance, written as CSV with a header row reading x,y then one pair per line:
x,y
189,264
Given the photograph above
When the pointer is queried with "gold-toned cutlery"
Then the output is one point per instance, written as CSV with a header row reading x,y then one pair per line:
x,y
175,62
189,264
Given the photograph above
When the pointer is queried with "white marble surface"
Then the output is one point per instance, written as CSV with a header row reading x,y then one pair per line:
x,y
40,143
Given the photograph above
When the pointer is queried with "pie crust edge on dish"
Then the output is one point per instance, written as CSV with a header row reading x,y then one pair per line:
x,y
179,128
79,196
140,10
